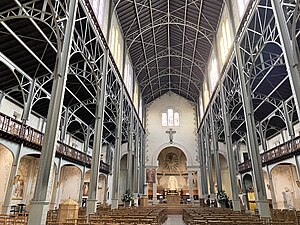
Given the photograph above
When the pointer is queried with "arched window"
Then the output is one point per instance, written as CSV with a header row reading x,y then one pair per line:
x,y
176,119
141,109
100,16
118,55
201,106
242,5
95,6
214,76
205,94
225,40
164,119
128,79
170,118
116,43
228,34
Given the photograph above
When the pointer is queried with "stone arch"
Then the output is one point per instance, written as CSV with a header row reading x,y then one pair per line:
x,y
25,178
172,159
176,145
4,147
6,162
123,173
172,172
248,189
285,182
247,181
69,183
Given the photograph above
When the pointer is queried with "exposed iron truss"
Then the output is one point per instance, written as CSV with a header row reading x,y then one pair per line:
x,y
31,34
169,42
267,75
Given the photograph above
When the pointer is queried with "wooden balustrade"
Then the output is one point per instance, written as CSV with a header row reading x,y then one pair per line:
x,y
18,132
278,153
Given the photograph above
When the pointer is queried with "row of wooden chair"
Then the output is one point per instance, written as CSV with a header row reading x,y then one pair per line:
x,y
285,214
132,215
205,216
13,219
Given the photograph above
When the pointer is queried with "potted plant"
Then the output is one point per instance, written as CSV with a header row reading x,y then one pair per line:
x,y
223,199
127,198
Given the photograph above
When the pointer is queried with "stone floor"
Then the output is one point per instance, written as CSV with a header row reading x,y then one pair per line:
x,y
174,220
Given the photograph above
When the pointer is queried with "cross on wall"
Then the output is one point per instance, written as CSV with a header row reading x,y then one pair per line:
x,y
171,132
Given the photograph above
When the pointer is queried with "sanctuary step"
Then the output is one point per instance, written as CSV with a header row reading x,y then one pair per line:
x,y
174,209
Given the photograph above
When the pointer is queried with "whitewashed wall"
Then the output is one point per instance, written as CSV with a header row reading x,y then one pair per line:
x,y
185,137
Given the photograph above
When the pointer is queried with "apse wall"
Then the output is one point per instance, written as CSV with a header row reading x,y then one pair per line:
x,y
185,137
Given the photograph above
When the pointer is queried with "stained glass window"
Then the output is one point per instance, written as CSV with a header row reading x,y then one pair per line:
x,y
176,119
242,4
225,40
164,119
214,76
170,118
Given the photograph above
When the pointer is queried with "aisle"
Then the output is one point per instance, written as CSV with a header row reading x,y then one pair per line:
x,y
174,220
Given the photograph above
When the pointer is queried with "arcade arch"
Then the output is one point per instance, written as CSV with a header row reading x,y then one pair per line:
x,y
69,183
172,176
6,160
286,189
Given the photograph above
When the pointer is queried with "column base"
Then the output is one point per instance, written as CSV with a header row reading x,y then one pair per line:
x,y
5,209
135,199
52,206
192,201
263,209
274,205
202,202
213,200
155,201
114,203
91,206
38,212
236,205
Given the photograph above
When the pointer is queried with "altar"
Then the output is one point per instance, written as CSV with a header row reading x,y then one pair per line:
x,y
173,199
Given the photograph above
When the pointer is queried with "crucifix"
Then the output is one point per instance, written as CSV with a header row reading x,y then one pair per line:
x,y
171,132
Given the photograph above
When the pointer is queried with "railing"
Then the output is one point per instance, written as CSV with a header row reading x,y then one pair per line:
x,y
16,129
283,151
19,132
72,153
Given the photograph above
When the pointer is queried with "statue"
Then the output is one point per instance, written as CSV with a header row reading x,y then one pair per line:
x,y
18,187
288,198
172,183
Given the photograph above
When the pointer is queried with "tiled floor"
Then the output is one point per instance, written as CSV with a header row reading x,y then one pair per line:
x,y
174,220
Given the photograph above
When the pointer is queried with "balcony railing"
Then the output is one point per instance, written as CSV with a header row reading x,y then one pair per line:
x,y
18,132
276,154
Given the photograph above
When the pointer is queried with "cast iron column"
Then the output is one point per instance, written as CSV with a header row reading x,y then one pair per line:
x,y
117,156
40,201
97,143
216,152
231,162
